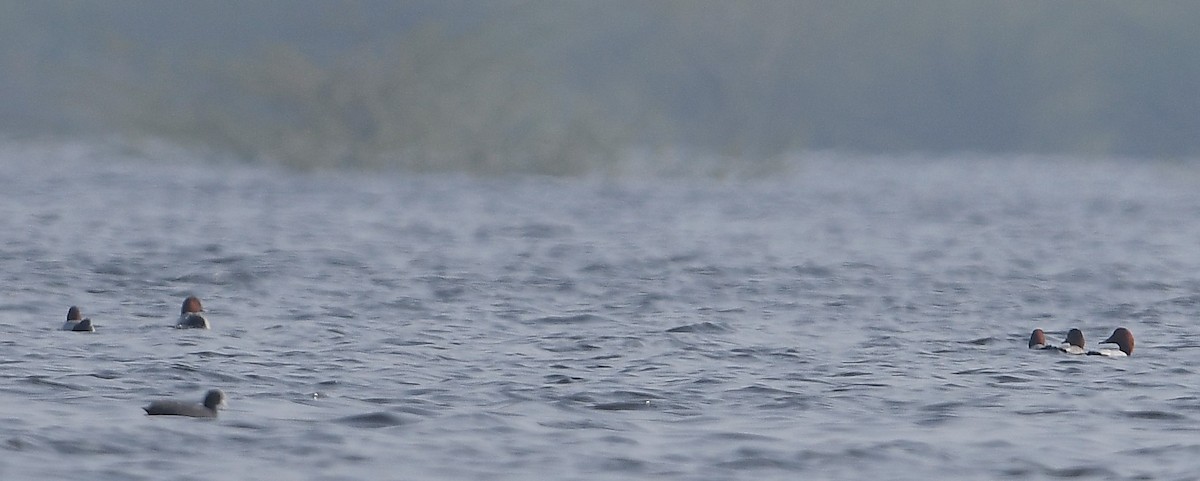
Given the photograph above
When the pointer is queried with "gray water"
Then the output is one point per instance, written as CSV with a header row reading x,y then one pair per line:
x,y
853,318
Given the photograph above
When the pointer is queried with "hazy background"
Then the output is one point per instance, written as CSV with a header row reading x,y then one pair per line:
x,y
565,87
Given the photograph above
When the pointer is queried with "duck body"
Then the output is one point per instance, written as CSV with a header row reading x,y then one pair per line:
x,y
213,400
82,326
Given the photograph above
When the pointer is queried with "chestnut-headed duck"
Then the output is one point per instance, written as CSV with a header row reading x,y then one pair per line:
x,y
1037,340
212,401
190,316
76,322
1124,341
1074,343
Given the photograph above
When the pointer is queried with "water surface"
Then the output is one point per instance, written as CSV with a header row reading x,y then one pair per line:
x,y
855,318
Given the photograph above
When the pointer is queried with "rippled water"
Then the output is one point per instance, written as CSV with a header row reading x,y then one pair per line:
x,y
858,318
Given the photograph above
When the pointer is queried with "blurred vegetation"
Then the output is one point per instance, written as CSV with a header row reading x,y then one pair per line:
x,y
564,87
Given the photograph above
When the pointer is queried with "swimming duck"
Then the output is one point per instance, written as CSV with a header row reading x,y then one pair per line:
x,y
213,400
76,322
190,316
1124,341
1037,340
1074,343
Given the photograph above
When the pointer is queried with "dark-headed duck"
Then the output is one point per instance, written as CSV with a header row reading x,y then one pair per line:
x,y
1037,340
1124,341
1074,342
190,316
76,322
